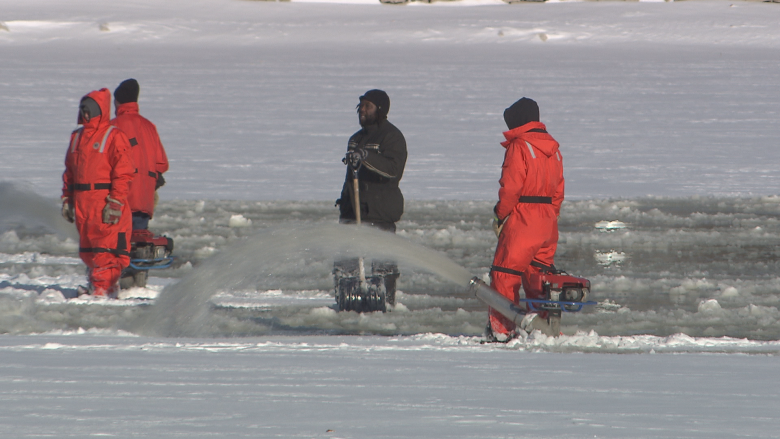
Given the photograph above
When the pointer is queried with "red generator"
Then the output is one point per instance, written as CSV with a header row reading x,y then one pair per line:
x,y
147,252
555,292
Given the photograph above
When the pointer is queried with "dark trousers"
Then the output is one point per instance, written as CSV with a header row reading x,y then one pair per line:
x,y
141,220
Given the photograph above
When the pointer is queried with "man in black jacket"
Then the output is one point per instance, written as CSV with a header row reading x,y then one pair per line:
x,y
378,151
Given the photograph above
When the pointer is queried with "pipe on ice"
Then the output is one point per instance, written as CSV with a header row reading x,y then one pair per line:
x,y
493,299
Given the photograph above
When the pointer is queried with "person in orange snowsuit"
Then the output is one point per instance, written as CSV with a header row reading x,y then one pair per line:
x,y
529,202
147,152
96,181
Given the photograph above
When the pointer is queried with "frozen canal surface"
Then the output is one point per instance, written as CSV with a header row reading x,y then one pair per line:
x,y
667,118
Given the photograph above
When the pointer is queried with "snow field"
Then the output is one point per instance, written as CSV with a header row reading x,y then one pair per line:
x,y
646,99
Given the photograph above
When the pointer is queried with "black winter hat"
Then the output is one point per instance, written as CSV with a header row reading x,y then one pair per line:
x,y
521,112
127,91
381,100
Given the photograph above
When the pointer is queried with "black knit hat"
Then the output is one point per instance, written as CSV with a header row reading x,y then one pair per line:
x,y
127,91
381,100
521,112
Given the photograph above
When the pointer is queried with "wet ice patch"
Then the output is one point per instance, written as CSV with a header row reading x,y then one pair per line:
x,y
37,258
272,299
52,296
39,25
608,226
148,293
608,258
204,252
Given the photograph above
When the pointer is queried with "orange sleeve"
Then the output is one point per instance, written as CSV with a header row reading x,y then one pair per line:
x,y
161,165
558,197
513,173
122,167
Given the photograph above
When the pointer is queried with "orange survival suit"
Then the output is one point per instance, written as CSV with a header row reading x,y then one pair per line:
x,y
98,166
147,153
529,204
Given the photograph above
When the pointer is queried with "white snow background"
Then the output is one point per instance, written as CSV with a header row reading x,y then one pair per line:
x,y
667,117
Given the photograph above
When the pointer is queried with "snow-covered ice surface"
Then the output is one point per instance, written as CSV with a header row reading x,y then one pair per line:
x,y
667,118
255,100
426,386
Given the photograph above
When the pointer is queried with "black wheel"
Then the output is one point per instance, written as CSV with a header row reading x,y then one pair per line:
x,y
350,297
376,295
348,294
388,272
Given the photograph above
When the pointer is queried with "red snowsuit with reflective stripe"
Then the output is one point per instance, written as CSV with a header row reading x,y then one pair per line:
x,y
533,167
148,156
97,165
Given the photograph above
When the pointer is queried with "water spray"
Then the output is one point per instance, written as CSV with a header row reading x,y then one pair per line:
x,y
22,206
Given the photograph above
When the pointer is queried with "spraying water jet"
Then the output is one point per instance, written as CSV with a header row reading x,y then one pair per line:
x,y
21,207
281,258
298,258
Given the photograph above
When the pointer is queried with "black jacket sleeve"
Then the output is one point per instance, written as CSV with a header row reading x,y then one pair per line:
x,y
389,160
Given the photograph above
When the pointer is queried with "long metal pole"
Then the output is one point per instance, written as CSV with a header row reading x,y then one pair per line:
x,y
493,299
361,262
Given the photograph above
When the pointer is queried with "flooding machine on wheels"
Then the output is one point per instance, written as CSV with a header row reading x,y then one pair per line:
x,y
355,290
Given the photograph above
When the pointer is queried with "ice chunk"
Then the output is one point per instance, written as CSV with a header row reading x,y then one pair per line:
x,y
51,296
239,221
709,306
730,292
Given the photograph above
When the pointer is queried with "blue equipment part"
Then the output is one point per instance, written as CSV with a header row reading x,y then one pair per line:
x,y
152,264
562,305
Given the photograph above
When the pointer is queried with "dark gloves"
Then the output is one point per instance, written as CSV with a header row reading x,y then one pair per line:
x,y
160,181
497,225
355,157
